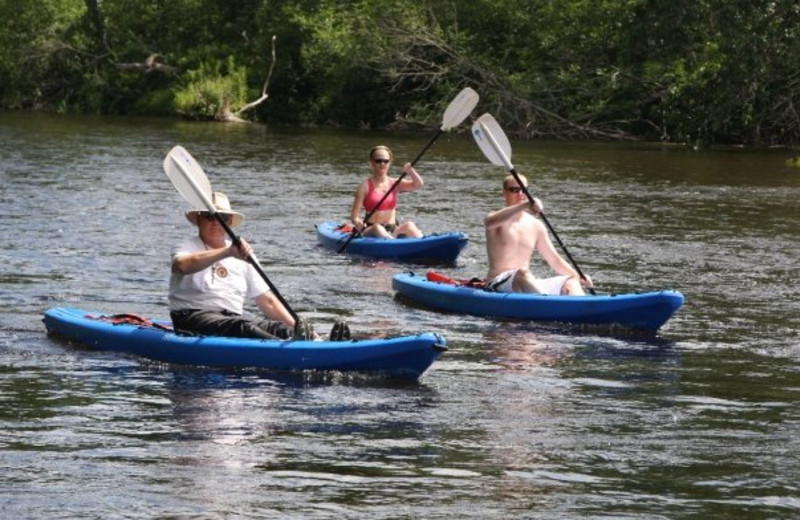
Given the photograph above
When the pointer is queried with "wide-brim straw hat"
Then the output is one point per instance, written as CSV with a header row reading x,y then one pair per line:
x,y
223,207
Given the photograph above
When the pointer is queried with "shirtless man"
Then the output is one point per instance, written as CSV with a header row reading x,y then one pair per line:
x,y
512,235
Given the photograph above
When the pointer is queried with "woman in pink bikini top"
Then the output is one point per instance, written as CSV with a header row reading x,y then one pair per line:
x,y
383,218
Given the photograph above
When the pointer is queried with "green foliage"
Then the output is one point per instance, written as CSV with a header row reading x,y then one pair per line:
x,y
158,102
35,37
208,88
676,70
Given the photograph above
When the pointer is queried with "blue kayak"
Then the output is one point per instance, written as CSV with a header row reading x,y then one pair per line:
x,y
442,247
648,310
404,357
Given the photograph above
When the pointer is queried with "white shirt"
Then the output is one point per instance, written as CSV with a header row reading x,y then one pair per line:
x,y
222,286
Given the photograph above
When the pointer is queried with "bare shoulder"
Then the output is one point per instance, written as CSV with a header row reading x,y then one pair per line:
x,y
487,220
363,187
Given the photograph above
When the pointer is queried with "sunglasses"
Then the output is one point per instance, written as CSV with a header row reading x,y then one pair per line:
x,y
381,161
514,189
211,218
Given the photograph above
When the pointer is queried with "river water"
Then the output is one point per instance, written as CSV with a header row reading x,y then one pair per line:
x,y
515,421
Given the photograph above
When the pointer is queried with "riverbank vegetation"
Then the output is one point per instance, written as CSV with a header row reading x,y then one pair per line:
x,y
687,71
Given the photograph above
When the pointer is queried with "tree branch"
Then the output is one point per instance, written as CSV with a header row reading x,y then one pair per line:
x,y
264,93
147,66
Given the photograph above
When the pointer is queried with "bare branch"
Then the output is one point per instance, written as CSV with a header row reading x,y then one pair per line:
x,y
264,93
420,60
147,66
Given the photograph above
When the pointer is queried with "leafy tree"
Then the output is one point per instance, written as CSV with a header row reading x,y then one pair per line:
x,y
39,48
699,71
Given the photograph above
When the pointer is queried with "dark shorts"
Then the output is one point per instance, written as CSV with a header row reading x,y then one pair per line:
x,y
226,323
388,227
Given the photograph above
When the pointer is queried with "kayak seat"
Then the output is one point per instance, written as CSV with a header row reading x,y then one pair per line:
x,y
475,282
130,318
344,228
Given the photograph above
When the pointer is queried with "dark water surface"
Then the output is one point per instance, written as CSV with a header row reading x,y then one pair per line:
x,y
515,421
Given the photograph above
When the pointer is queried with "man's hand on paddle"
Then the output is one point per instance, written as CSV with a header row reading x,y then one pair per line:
x,y
537,207
242,251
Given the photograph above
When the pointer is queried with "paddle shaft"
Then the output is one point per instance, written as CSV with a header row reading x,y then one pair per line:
x,y
234,237
552,231
513,172
255,263
391,189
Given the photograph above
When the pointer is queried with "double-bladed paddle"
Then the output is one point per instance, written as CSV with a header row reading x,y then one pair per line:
x,y
191,182
495,146
456,112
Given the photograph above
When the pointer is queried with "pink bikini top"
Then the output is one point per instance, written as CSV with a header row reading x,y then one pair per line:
x,y
374,196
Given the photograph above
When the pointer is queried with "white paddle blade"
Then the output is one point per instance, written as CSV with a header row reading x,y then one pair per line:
x,y
492,141
458,109
188,178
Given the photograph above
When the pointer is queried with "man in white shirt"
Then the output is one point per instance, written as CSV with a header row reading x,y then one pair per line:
x,y
211,278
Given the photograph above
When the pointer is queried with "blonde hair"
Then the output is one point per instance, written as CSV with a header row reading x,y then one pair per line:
x,y
381,147
510,177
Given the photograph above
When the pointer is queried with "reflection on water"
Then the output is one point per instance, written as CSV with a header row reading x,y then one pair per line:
x,y
514,420
520,350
